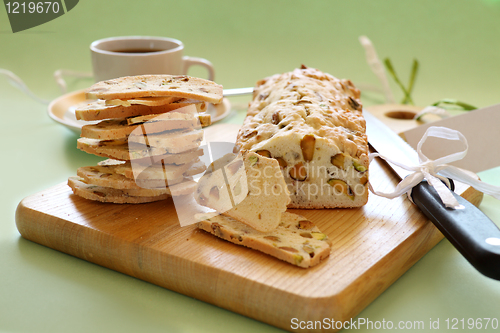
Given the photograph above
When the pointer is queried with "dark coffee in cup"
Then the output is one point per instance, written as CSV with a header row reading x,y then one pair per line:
x,y
139,55
138,50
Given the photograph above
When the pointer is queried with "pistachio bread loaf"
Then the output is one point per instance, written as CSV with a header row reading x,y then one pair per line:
x,y
312,124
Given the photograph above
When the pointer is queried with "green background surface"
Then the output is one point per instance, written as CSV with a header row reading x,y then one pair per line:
x,y
457,43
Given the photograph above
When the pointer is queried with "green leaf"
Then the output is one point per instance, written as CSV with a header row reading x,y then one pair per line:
x,y
407,98
413,76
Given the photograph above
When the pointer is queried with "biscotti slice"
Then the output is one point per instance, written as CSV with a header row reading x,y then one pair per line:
x,y
129,192
177,159
140,172
152,171
106,176
149,101
126,152
104,194
203,117
98,110
173,142
107,129
121,128
312,124
137,153
180,86
296,240
249,188
122,152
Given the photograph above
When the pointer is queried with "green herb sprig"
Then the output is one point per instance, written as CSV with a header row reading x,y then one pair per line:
x,y
407,99
449,101
453,102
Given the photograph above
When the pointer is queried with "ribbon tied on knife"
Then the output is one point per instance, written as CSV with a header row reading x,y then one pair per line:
x,y
437,172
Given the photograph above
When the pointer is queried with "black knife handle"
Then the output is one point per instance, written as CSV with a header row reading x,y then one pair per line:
x,y
467,229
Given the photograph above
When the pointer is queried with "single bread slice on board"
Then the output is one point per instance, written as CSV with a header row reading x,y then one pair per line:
x,y
296,240
181,86
255,186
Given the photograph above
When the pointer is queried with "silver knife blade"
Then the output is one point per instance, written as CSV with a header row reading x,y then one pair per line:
x,y
389,144
237,91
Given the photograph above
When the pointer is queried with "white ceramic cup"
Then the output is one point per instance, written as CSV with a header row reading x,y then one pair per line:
x,y
137,55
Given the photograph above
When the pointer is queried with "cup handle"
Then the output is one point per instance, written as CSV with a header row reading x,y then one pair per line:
x,y
190,61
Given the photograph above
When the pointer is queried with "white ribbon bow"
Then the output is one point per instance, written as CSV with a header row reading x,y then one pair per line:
x,y
429,170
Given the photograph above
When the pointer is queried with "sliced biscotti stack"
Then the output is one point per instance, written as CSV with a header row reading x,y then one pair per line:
x,y
312,124
250,193
150,130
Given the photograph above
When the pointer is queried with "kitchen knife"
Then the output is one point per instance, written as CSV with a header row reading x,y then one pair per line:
x,y
237,91
472,233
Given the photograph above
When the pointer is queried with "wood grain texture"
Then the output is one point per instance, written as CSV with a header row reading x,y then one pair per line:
x,y
372,247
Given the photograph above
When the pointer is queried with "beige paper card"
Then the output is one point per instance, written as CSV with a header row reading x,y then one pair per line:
x,y
481,128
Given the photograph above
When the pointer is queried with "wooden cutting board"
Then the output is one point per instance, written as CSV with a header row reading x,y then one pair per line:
x,y
372,247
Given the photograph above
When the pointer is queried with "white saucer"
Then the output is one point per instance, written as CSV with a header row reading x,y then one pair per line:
x,y
62,110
